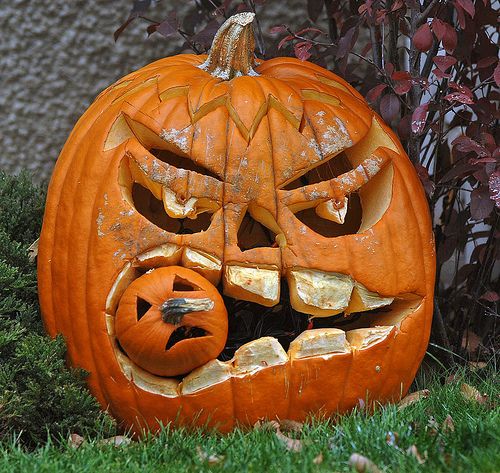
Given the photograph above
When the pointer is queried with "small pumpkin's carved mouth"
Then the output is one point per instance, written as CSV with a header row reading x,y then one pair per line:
x,y
261,336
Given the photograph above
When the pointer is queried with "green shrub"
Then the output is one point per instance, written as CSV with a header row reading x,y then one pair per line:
x,y
39,395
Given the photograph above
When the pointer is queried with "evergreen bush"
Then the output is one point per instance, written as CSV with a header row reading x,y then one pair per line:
x,y
39,394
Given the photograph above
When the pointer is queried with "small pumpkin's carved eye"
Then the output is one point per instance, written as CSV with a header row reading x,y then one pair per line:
x,y
142,307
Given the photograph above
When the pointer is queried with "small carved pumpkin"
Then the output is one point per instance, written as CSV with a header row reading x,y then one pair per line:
x,y
273,182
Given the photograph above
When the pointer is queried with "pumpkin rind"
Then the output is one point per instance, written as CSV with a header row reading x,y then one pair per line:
x,y
246,132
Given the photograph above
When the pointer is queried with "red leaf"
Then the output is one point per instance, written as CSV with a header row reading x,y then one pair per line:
x,y
463,89
458,97
302,50
425,179
400,75
402,87
491,296
346,43
440,74
449,38
284,41
444,62
389,107
496,75
480,203
494,186
486,62
374,94
277,29
439,28
423,38
460,16
466,145
419,118
468,6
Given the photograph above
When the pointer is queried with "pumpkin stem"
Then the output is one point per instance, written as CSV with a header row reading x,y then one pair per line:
x,y
173,310
231,54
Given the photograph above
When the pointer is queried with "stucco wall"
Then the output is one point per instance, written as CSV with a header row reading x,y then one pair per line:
x,y
57,55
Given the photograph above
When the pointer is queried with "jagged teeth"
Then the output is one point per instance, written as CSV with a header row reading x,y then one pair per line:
x,y
365,337
207,265
328,211
321,341
163,255
252,284
211,373
319,293
362,299
258,354
324,294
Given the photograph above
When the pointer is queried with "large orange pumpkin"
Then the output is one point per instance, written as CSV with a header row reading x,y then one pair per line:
x,y
272,181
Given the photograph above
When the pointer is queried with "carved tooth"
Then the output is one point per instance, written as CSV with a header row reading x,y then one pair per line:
x,y
252,284
211,373
207,265
316,342
365,337
163,255
257,355
126,276
319,293
362,299
328,211
139,176
168,387
176,210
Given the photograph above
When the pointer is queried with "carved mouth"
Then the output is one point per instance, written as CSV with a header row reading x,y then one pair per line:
x,y
260,336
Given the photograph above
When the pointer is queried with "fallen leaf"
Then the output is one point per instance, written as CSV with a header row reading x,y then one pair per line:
x,y
318,459
391,438
448,425
33,251
432,426
281,426
75,440
412,398
211,459
116,441
362,464
413,451
472,394
477,365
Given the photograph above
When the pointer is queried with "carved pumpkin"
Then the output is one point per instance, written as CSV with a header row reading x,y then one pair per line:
x,y
277,184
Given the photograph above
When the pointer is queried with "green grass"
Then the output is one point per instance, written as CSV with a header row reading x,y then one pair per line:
x,y
471,447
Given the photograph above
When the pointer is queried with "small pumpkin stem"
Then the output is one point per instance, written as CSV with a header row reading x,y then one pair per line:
x,y
231,54
173,310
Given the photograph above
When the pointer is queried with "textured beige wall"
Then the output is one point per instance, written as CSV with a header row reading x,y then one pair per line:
x,y
57,55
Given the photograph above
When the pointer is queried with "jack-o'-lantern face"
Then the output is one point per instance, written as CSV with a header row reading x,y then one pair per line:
x,y
199,194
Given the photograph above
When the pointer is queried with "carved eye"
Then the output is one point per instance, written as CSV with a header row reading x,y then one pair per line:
x,y
331,218
170,190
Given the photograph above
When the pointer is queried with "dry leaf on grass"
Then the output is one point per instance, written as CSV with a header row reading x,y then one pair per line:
x,y
477,365
392,438
281,427
472,394
211,459
116,441
362,464
413,451
75,440
448,425
412,398
432,426
318,459
33,251
471,342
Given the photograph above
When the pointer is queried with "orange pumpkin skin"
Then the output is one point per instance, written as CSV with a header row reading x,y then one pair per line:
x,y
255,134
